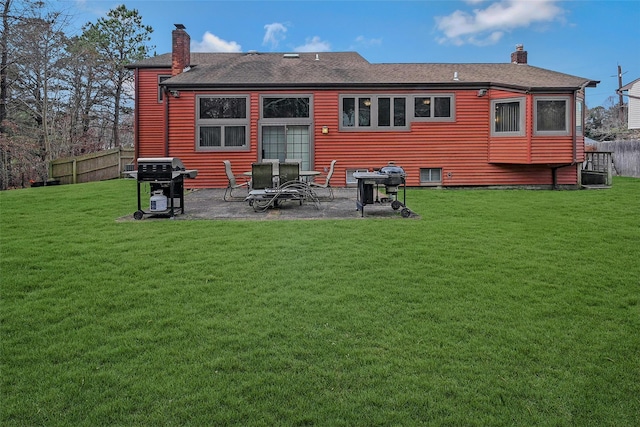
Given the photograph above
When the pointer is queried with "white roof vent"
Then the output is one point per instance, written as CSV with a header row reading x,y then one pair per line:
x,y
291,55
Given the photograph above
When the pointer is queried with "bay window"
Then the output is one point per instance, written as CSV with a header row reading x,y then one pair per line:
x,y
508,117
551,115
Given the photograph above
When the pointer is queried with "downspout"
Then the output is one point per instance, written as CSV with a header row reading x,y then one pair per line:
x,y
166,122
136,120
554,170
574,125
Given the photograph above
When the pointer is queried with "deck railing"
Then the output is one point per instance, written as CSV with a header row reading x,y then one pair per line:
x,y
597,168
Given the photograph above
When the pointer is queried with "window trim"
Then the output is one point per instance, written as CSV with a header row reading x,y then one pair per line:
x,y
567,116
374,112
223,123
432,118
425,183
288,120
522,122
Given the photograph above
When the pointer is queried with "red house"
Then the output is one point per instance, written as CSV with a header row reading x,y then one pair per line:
x,y
445,124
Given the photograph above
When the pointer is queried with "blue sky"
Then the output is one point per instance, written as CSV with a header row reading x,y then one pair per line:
x,y
583,38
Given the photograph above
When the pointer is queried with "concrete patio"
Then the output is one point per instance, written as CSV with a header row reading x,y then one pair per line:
x,y
208,204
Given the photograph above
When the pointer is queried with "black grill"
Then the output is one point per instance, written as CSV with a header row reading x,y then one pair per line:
x,y
391,176
165,176
395,176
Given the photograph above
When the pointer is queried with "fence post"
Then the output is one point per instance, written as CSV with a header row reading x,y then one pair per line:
x,y
74,171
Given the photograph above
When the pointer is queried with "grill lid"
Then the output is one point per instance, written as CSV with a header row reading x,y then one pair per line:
x,y
391,168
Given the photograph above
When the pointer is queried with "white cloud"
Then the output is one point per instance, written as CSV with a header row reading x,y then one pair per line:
x,y
314,44
363,41
274,34
486,26
213,43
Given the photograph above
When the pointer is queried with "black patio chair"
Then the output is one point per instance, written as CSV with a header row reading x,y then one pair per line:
x,y
261,176
288,172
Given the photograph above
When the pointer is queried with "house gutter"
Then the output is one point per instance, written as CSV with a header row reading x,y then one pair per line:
x,y
620,92
166,121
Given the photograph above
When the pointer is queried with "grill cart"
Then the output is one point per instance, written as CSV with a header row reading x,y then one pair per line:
x,y
392,177
165,176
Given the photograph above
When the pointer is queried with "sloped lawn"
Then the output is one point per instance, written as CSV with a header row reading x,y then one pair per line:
x,y
497,307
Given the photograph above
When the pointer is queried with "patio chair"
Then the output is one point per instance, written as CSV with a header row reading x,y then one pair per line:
x,y
233,184
261,176
327,182
275,163
289,172
298,161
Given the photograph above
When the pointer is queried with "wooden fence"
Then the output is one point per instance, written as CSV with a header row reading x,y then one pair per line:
x,y
625,156
108,164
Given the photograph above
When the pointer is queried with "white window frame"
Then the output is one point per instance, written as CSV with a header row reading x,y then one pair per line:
x,y
521,119
432,118
222,124
567,116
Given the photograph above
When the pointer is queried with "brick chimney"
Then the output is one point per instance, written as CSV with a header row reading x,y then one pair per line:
x,y
519,56
181,50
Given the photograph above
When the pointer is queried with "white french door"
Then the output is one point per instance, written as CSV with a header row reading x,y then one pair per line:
x,y
287,142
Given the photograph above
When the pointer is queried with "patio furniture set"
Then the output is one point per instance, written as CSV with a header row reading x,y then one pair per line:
x,y
271,182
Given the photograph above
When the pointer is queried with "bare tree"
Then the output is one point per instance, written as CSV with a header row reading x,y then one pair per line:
x,y
609,123
39,89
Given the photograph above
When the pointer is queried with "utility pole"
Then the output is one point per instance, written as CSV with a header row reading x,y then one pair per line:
x,y
621,100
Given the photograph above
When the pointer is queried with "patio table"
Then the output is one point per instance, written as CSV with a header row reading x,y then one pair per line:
x,y
302,173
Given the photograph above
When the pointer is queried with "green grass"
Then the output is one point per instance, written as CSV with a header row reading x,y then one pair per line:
x,y
495,308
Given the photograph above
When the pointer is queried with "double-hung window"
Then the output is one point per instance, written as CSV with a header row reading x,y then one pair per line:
x,y
508,117
436,108
222,122
368,112
551,116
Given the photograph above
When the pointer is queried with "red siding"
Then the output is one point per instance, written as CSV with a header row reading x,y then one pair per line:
x,y
149,114
464,149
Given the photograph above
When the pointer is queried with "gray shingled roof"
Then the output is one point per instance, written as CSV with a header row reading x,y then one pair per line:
x,y
349,69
